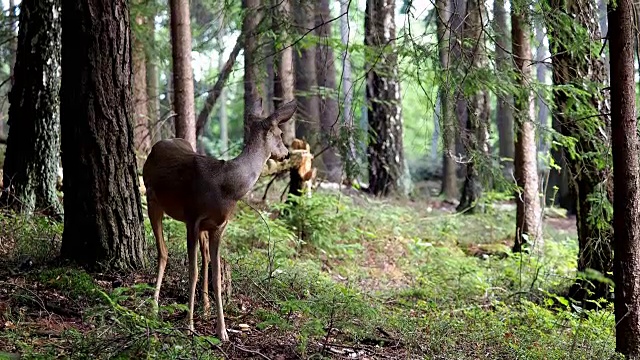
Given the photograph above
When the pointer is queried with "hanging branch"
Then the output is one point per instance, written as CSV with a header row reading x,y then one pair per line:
x,y
214,93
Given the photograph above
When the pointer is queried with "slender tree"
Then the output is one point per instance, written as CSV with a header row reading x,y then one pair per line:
x,y
541,76
346,87
528,215
33,146
626,180
153,77
252,16
184,106
447,117
504,112
579,116
475,135
385,150
328,102
142,135
103,212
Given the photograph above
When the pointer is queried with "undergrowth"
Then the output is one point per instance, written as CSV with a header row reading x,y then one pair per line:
x,y
322,274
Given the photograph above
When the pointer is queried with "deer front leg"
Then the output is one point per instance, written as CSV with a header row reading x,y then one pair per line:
x,y
215,237
155,218
192,257
204,251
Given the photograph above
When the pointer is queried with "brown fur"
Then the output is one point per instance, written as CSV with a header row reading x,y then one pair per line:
x,y
202,192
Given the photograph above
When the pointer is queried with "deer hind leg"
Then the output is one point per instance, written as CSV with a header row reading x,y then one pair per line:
x,y
192,256
155,217
204,251
215,237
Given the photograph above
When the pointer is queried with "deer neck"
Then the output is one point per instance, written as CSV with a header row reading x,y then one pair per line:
x,y
247,166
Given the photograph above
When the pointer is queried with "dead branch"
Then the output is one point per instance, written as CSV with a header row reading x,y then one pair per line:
x,y
214,93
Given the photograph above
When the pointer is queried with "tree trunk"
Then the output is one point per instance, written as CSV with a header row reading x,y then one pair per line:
x,y
447,120
153,83
326,77
308,114
541,77
251,72
577,117
142,136
103,214
13,41
626,177
184,106
462,106
224,119
385,151
604,30
350,155
475,137
284,82
33,146
528,214
504,113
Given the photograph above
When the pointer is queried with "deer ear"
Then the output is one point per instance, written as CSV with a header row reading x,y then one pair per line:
x,y
284,112
256,110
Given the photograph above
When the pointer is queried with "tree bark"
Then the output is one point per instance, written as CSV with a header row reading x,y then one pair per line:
x,y
250,23
578,116
308,114
33,145
351,159
153,82
475,137
284,83
528,213
449,187
504,113
626,177
462,106
13,41
541,77
142,135
326,77
103,214
385,151
184,106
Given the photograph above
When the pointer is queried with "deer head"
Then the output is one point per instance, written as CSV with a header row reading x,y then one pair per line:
x,y
267,129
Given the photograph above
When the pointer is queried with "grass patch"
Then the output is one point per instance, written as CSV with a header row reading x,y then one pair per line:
x,y
334,275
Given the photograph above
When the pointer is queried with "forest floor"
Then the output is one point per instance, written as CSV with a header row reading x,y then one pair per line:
x,y
340,276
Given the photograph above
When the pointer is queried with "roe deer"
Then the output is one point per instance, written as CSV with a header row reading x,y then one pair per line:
x,y
202,192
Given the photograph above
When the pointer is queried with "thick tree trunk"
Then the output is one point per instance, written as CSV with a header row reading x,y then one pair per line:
x,y
447,119
103,213
504,113
33,146
326,77
626,176
142,136
13,40
308,114
475,137
385,151
250,23
577,117
284,83
528,214
184,106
